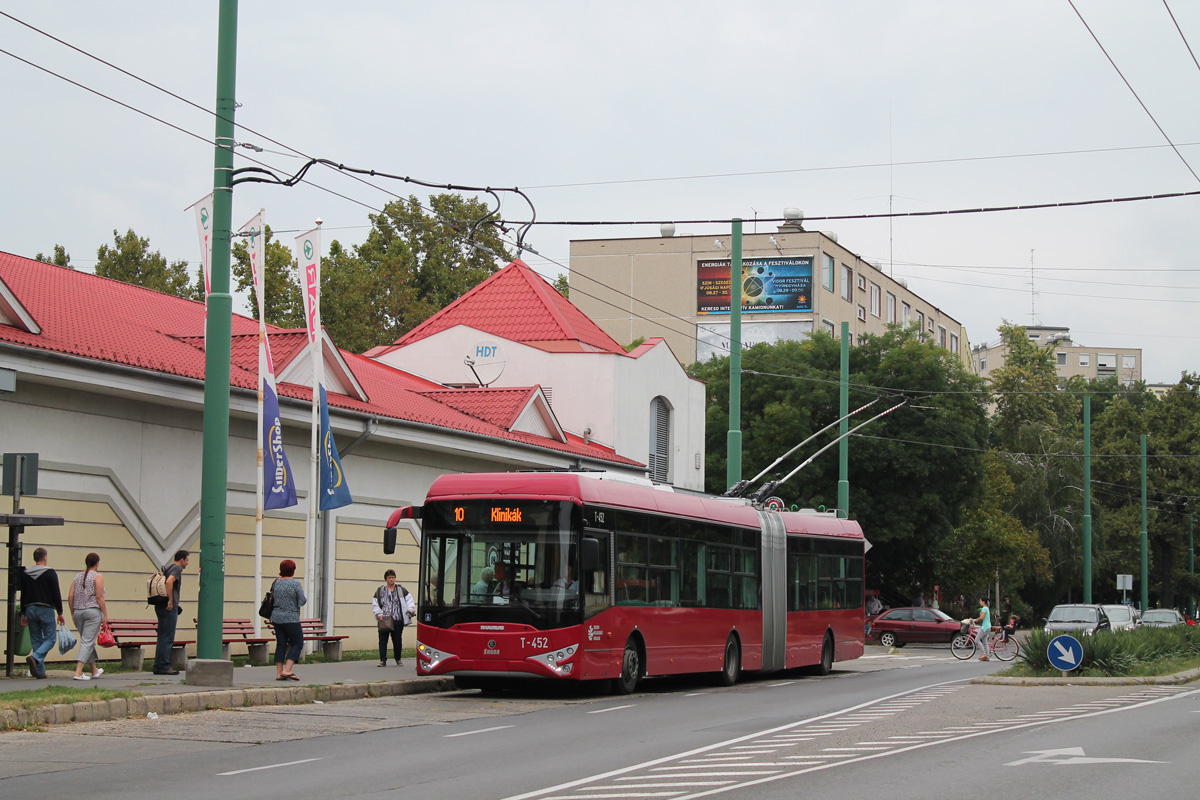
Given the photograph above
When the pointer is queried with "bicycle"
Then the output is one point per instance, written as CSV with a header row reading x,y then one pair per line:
x,y
1005,648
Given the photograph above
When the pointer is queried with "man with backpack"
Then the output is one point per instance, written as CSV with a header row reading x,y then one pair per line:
x,y
168,615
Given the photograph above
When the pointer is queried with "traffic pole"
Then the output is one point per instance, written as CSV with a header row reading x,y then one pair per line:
x,y
215,452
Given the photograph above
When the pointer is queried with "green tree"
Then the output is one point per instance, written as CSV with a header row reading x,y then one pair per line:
x,y
562,285
284,305
130,260
991,543
1172,428
911,472
61,257
412,264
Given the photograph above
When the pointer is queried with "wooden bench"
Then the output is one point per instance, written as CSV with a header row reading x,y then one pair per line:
x,y
234,631
314,631
132,635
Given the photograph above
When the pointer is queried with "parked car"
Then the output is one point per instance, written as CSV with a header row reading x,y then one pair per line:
x,y
1121,617
899,626
1070,618
1162,618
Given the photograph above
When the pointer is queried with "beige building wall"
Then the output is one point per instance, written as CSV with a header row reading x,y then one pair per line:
x,y
647,287
1071,358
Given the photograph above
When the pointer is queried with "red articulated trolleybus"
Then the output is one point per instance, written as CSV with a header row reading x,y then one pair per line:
x,y
581,576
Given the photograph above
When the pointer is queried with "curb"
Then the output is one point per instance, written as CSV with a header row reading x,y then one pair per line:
x,y
160,704
1161,680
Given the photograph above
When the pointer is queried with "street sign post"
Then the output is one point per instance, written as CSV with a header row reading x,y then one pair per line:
x,y
1124,584
1065,652
20,477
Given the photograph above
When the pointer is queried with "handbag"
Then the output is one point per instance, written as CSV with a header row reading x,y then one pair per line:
x,y
268,603
66,640
105,638
386,624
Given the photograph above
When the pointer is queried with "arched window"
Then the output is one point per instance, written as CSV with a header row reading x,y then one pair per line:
x,y
660,440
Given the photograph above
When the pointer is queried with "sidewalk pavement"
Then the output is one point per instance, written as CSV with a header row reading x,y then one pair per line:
x,y
252,686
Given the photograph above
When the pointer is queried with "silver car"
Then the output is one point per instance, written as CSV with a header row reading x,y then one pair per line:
x,y
1163,618
1121,617
1085,619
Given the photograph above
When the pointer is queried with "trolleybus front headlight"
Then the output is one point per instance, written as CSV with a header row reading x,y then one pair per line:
x,y
557,661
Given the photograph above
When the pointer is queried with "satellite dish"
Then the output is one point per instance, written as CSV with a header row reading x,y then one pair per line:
x,y
485,360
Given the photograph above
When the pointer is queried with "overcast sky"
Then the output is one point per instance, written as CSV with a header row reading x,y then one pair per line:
x,y
658,110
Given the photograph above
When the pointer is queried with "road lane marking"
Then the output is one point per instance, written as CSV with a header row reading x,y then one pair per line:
x,y
606,710
481,730
269,766
791,726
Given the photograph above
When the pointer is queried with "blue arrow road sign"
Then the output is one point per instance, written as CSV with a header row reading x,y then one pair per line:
x,y
1065,653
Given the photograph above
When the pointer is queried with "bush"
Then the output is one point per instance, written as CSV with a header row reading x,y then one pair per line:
x,y
1117,654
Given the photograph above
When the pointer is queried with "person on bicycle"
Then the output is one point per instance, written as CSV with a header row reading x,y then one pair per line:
x,y
984,621
1009,630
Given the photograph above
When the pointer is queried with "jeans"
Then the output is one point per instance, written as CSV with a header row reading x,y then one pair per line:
x,y
168,619
394,635
42,633
288,635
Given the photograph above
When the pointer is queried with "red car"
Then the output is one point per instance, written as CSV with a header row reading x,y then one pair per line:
x,y
897,627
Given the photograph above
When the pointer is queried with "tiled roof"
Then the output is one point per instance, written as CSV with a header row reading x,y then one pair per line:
x,y
103,320
519,305
498,406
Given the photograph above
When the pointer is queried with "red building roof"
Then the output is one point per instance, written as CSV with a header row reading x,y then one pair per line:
x,y
519,305
107,321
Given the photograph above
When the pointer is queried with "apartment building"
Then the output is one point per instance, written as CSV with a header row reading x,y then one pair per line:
x,y
1071,357
793,282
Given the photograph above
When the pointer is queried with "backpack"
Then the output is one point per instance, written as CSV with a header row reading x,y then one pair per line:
x,y
156,589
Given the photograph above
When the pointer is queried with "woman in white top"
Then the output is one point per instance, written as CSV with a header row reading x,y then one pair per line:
x,y
391,604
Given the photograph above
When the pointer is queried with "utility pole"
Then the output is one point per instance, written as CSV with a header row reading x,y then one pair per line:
x,y
1087,498
843,511
215,453
1145,537
733,459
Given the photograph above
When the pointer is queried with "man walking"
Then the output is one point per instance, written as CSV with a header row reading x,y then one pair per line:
x,y
168,615
41,598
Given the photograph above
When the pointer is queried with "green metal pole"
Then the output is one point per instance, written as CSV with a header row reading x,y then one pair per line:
x,y
1191,565
216,354
1087,498
844,445
1145,536
733,462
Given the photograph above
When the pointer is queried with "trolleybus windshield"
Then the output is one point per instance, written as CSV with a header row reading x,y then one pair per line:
x,y
501,560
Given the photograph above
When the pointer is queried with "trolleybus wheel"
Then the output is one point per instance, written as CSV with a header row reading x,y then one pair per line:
x,y
731,669
631,669
825,666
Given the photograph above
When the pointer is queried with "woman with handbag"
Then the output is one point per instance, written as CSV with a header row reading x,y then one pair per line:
x,y
392,606
88,609
287,596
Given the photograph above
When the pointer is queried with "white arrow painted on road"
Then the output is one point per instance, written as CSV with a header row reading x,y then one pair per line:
x,y
1072,755
1065,653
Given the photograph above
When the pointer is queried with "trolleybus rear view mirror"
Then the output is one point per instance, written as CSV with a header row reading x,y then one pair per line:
x,y
389,533
591,554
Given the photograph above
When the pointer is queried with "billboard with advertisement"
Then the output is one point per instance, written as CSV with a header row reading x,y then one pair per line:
x,y
768,285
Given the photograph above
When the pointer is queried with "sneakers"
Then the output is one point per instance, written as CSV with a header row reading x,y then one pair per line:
x,y
81,677
984,658
34,672
383,663
166,672
399,663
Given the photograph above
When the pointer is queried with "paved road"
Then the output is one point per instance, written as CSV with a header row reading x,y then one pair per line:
x,y
884,722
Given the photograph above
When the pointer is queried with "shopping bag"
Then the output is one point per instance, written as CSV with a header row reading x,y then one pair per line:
x,y
24,642
105,638
66,640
